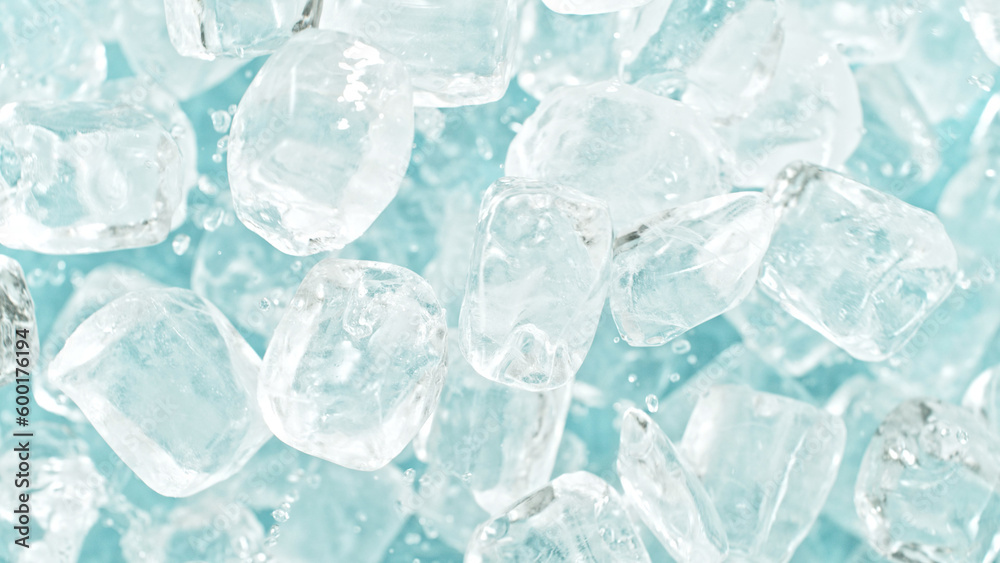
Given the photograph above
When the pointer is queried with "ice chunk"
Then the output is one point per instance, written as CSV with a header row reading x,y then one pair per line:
x,y
81,177
984,15
537,283
865,31
180,434
17,323
446,504
768,464
668,496
206,529
927,489
457,52
637,151
577,517
586,7
983,396
969,207
811,111
103,16
683,267
860,266
501,441
320,142
47,52
721,55
227,28
356,365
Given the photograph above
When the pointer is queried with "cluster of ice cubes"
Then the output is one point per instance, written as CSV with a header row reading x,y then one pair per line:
x,y
551,281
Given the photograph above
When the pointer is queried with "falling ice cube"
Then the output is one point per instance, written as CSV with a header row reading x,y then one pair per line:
x,y
356,365
229,28
587,7
320,142
637,151
17,323
668,496
685,266
502,441
170,386
81,177
859,266
577,517
457,52
927,489
865,31
537,283
767,462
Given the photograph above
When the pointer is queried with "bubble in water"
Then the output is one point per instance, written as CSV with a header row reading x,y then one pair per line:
x,y
675,377
223,144
280,515
217,158
411,538
181,244
652,403
681,346
410,474
221,121
264,304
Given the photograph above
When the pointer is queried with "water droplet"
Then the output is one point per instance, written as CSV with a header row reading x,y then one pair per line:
x,y
617,340
632,378
221,121
652,403
264,304
181,244
963,436
411,539
217,158
681,346
223,144
410,474
675,377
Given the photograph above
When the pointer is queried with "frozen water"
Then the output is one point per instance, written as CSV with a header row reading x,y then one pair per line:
x,y
500,440
984,15
47,52
179,434
811,112
637,151
457,52
537,283
861,267
927,489
227,28
668,496
320,142
683,267
768,464
446,504
865,31
587,7
721,55
17,313
103,16
983,396
970,205
356,365
80,177
577,517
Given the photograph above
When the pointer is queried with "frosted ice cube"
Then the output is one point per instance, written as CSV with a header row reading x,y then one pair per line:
x,y
81,177
859,266
637,151
537,282
865,31
768,464
811,111
577,517
457,52
668,496
683,267
17,313
356,365
501,441
228,28
984,15
179,434
927,489
721,54
47,52
587,7
320,142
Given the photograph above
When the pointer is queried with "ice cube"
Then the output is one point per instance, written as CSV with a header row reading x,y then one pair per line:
x,y
983,396
984,15
577,517
865,31
683,267
458,52
537,282
320,142
668,496
81,177
17,324
169,384
927,489
446,504
768,464
356,365
637,151
969,207
859,266
588,7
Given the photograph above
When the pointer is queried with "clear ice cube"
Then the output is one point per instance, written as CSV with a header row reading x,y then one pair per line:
x,y
639,152
865,31
17,313
537,283
969,206
857,265
169,384
683,267
577,517
356,365
767,462
669,497
206,29
590,7
82,177
320,142
984,15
